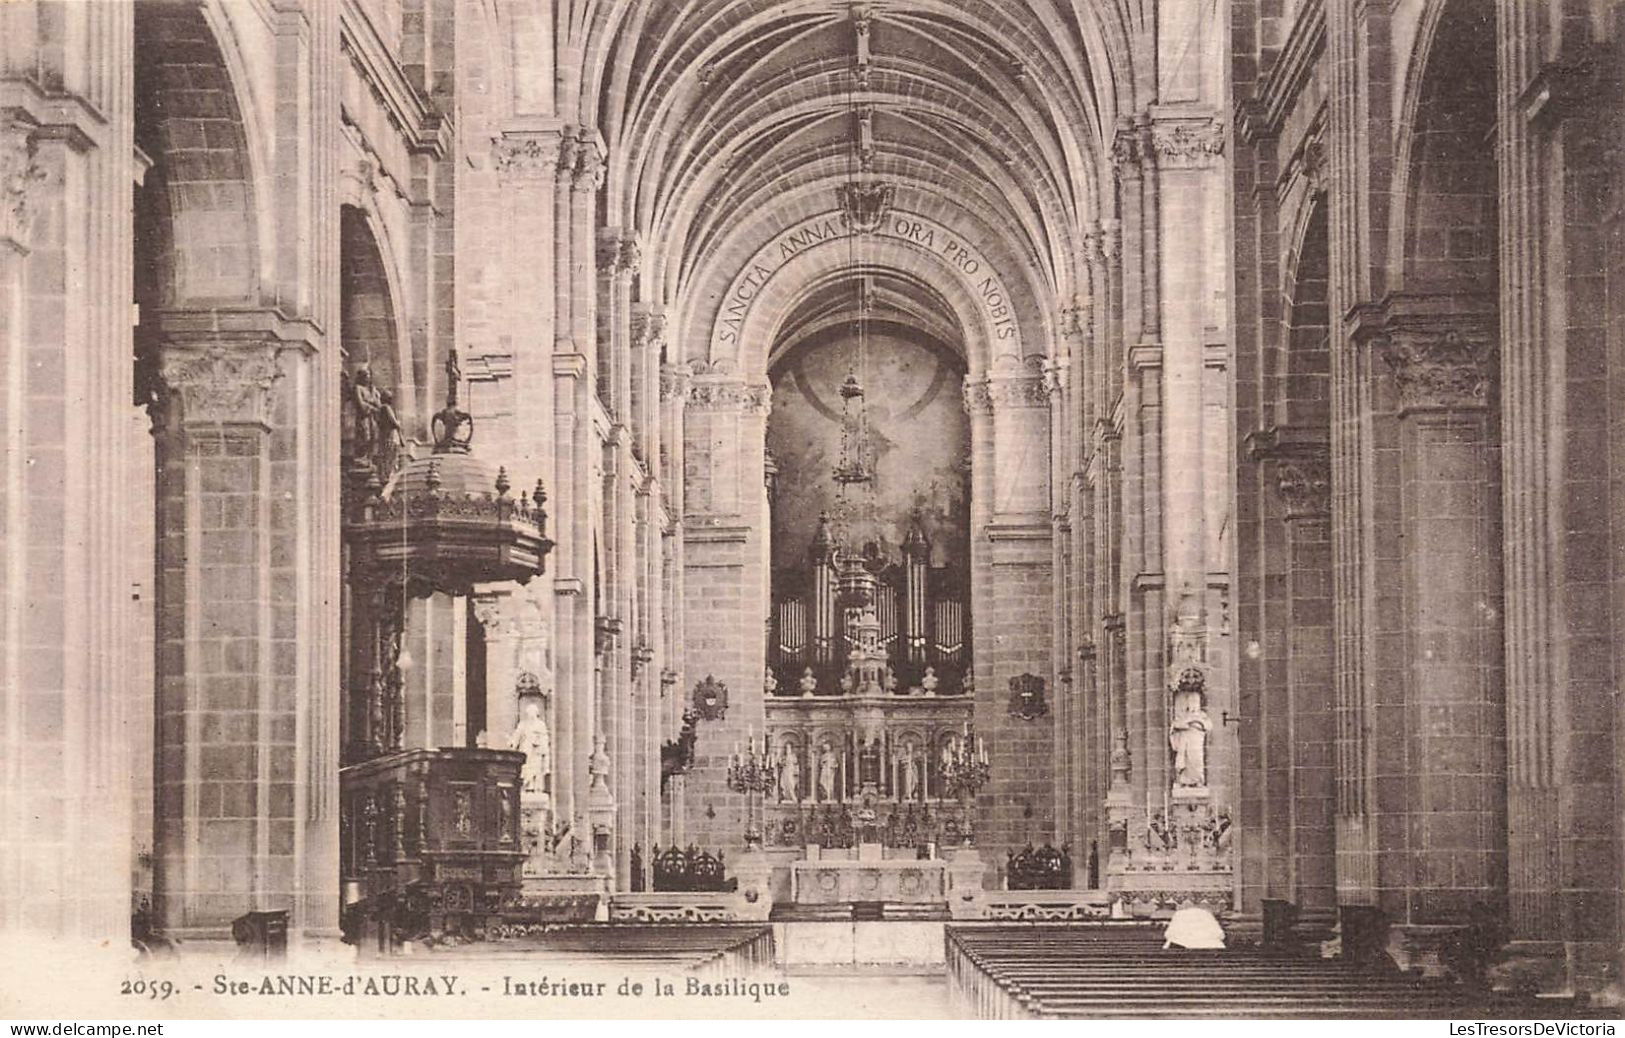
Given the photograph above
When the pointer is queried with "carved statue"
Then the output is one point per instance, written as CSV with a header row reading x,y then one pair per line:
x,y
366,399
911,772
391,441
454,377
789,777
930,681
770,685
1187,735
598,763
809,682
826,773
532,738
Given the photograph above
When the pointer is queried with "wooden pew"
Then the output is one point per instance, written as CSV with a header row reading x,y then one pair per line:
x,y
1121,970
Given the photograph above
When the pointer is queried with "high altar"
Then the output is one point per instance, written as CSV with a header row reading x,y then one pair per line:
x,y
869,742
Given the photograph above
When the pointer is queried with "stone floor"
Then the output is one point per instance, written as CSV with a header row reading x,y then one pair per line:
x,y
868,993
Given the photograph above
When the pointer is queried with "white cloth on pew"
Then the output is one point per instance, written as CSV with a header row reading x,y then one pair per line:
x,y
1193,928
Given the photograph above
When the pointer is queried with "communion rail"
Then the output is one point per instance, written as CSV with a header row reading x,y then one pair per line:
x,y
709,949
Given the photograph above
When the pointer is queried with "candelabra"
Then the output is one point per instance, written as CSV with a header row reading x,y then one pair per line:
x,y
751,773
964,772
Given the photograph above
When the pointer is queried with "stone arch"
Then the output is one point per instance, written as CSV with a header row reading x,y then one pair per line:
x,y
1444,224
987,333
371,328
1302,375
936,224
196,220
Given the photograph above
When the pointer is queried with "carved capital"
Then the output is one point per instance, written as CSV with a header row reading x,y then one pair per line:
x,y
713,393
1093,251
629,256
1111,239
674,380
609,254
1304,480
1075,318
1447,369
1017,382
1130,147
1012,393
617,254
1314,164
1055,378
569,152
525,155
1184,143
506,615
1302,468
589,166
649,330
20,173
217,384
978,397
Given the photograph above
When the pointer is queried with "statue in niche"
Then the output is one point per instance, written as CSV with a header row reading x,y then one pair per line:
x,y
789,774
367,401
911,772
809,682
391,440
598,764
1188,731
532,738
826,773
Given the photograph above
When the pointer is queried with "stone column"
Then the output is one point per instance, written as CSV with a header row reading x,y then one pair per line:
x,y
434,646
228,708
725,585
1561,216
1303,480
1441,352
674,386
618,258
69,667
1013,617
1359,167
573,462
518,621
583,463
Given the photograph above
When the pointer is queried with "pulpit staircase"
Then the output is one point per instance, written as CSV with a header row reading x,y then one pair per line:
x,y
1112,970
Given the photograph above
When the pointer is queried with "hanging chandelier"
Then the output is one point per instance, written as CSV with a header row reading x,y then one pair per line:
x,y
864,203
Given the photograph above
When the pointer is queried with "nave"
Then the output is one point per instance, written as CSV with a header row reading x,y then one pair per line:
x,y
476,463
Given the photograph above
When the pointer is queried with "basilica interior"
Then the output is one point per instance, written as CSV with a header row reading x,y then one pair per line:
x,y
477,467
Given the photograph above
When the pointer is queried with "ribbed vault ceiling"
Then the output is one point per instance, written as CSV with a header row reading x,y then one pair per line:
x,y
726,119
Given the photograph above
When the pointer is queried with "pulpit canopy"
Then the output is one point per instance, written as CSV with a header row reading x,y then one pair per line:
x,y
447,520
